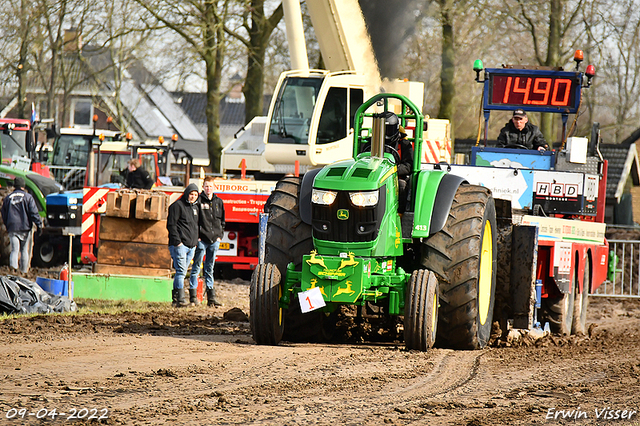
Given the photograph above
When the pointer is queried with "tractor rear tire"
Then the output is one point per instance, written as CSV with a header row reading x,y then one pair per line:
x,y
560,311
463,256
5,244
581,302
288,239
264,297
421,311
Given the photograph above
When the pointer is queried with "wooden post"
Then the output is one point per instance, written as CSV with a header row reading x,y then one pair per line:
x,y
69,285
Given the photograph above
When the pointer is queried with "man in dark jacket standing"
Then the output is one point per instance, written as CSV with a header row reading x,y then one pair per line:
x,y
210,233
137,176
182,224
19,214
519,132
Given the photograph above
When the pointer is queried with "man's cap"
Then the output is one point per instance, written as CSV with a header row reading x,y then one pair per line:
x,y
18,182
519,113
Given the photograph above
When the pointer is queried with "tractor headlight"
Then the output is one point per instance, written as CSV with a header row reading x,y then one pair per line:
x,y
364,199
321,196
73,201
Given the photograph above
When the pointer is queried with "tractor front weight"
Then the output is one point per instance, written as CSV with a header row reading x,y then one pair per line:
x,y
348,280
291,281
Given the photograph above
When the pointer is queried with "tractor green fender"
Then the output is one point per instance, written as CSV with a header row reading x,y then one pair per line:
x,y
435,190
39,186
305,195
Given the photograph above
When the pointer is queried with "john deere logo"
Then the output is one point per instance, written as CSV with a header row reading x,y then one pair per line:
x,y
343,214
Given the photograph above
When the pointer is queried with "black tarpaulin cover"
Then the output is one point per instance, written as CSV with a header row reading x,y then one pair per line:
x,y
22,296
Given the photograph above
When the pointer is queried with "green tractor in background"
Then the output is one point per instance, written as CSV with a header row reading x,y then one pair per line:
x,y
18,140
336,237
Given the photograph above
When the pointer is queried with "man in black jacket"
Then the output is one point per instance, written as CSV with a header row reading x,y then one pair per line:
x,y
405,167
182,224
137,176
211,231
19,214
518,132
396,138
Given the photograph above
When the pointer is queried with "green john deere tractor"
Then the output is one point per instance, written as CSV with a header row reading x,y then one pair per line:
x,y
336,237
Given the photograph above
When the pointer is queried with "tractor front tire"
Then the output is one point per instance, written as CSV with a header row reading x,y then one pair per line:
x,y
421,311
463,255
264,296
288,239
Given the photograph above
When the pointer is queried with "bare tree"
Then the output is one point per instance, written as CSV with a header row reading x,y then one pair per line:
x,y
442,58
552,25
58,52
259,27
201,24
614,34
17,37
118,44
447,72
53,15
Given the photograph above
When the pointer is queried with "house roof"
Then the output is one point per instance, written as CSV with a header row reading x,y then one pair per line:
x,y
231,111
623,163
150,110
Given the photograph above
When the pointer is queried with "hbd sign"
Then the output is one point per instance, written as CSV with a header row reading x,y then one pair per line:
x,y
557,190
561,192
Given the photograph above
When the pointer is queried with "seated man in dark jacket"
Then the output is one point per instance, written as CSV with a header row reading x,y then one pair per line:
x,y
518,132
396,138
137,176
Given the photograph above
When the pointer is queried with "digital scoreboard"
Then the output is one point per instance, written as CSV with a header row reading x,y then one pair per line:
x,y
532,90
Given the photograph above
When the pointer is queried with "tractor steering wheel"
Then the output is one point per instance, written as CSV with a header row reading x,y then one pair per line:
x,y
391,150
516,146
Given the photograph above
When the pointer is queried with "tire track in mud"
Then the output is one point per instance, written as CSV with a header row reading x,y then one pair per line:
x,y
360,383
451,371
442,375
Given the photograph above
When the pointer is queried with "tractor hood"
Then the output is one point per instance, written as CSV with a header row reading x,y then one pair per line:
x,y
369,226
45,185
364,174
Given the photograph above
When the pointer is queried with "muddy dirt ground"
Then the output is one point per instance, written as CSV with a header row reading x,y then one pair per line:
x,y
197,365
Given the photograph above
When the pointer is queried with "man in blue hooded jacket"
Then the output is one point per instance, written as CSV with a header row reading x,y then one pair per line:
x,y
182,224
19,214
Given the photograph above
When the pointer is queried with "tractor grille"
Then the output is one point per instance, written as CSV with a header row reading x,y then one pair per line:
x,y
64,216
362,225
